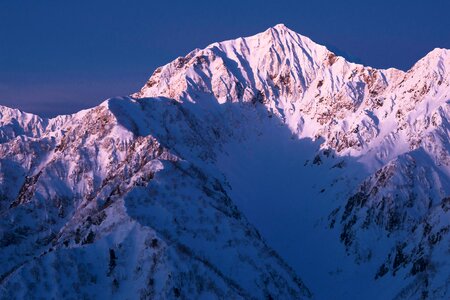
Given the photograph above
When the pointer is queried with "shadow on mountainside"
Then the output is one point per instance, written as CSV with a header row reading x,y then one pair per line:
x,y
285,186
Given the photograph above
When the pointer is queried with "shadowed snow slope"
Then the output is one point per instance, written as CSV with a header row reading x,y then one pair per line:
x,y
234,170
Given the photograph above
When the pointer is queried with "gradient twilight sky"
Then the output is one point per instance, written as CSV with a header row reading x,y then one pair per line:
x,y
61,56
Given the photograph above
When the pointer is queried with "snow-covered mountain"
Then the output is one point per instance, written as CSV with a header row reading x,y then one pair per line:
x,y
235,171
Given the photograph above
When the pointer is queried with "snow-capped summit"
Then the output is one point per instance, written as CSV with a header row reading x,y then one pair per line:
x,y
243,69
234,170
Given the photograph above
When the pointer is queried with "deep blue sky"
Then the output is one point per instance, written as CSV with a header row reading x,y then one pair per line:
x,y
60,56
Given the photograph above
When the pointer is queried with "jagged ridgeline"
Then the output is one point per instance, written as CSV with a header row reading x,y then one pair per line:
x,y
265,167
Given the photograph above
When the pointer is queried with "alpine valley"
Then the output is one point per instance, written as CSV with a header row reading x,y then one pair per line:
x,y
265,167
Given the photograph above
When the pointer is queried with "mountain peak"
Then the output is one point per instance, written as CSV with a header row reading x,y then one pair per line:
x,y
281,27
437,60
280,33
440,51
437,54
267,59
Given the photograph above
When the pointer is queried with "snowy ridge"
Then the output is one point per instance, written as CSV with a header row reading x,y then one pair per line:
x,y
87,194
153,195
313,91
14,122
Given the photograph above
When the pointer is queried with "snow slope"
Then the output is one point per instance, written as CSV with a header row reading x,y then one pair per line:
x,y
100,208
234,169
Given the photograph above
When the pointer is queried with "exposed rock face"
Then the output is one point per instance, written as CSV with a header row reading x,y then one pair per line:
x,y
136,197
